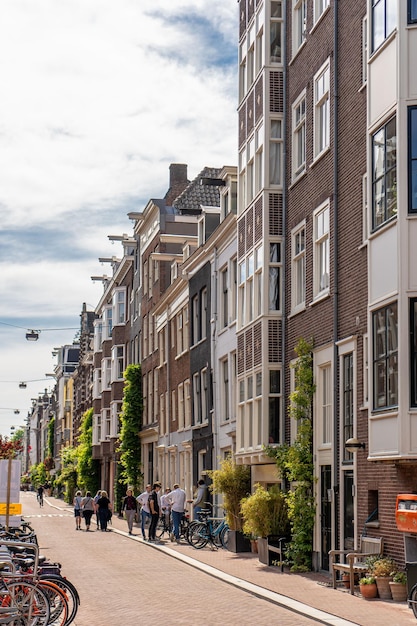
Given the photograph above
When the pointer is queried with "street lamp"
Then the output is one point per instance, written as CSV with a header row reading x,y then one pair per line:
x,y
353,444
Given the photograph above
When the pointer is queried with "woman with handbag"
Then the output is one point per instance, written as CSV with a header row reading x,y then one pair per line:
x,y
87,506
129,508
104,510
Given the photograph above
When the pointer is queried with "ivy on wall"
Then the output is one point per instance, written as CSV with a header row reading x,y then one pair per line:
x,y
129,472
295,462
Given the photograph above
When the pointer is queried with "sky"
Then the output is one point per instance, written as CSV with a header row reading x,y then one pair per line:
x,y
98,98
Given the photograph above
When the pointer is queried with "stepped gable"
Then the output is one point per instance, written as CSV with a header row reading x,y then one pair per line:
x,y
197,195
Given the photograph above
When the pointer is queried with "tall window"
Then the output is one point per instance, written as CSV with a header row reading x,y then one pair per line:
x,y
298,290
319,8
325,403
321,250
364,49
299,136
242,280
384,174
274,276
413,351
187,400
181,406
275,33
299,23
274,409
233,287
384,20
204,395
203,330
322,109
412,159
258,286
118,362
385,357
224,297
412,11
196,398
196,319
275,153
225,416
347,401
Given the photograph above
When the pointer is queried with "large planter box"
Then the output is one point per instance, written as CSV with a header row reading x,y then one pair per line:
x,y
271,549
238,542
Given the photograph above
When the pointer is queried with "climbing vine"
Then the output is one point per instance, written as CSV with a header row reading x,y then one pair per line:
x,y
295,462
88,468
131,423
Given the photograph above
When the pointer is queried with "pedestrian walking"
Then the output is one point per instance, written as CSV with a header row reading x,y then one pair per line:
x,y
129,508
154,509
177,498
104,510
96,497
87,507
145,512
77,510
40,495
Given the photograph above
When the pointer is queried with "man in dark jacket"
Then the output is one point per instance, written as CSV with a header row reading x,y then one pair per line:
x,y
154,509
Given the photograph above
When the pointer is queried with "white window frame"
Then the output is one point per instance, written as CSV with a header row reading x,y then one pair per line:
x,y
299,136
325,403
275,28
187,403
224,297
119,306
321,252
276,150
225,390
181,407
115,409
203,313
204,391
275,275
299,24
319,9
322,110
106,374
196,399
118,362
298,268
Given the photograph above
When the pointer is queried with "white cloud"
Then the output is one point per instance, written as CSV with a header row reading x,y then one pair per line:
x,y
98,99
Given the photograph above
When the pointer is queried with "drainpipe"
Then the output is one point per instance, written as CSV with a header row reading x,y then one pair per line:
x,y
284,229
214,321
336,440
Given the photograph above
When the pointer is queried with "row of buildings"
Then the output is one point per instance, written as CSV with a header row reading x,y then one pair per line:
x,y
311,235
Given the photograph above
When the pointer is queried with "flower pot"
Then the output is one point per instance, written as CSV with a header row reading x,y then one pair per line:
x,y
238,542
382,583
346,581
263,552
398,591
368,591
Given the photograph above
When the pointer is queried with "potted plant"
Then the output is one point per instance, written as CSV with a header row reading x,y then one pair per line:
x,y
383,570
265,516
232,481
398,586
367,587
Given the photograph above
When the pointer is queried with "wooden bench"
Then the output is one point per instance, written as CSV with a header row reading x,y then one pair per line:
x,y
355,559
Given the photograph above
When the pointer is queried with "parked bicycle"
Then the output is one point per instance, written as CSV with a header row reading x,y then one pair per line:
x,y
210,530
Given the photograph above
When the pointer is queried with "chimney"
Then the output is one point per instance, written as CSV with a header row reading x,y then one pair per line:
x,y
178,181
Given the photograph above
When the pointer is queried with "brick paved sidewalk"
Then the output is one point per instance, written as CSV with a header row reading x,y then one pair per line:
x,y
288,589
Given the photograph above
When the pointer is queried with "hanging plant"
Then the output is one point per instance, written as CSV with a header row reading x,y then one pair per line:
x,y
296,465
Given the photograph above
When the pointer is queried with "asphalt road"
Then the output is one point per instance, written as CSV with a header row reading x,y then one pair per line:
x,y
121,581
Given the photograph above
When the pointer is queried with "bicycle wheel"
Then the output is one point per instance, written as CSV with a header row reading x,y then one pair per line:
x,y
190,528
224,536
412,600
161,528
31,602
71,594
58,605
199,536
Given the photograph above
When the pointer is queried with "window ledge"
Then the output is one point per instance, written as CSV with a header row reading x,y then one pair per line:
x,y
320,298
297,311
298,178
383,45
375,524
381,229
319,19
297,52
320,156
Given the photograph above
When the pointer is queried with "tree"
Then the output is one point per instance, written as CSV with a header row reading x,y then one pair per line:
x,y
10,448
68,477
88,468
131,423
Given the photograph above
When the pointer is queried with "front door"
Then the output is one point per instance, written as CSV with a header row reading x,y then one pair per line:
x,y
348,512
325,514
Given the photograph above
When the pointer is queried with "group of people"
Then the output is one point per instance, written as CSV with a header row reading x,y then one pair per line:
x,y
153,505
88,505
